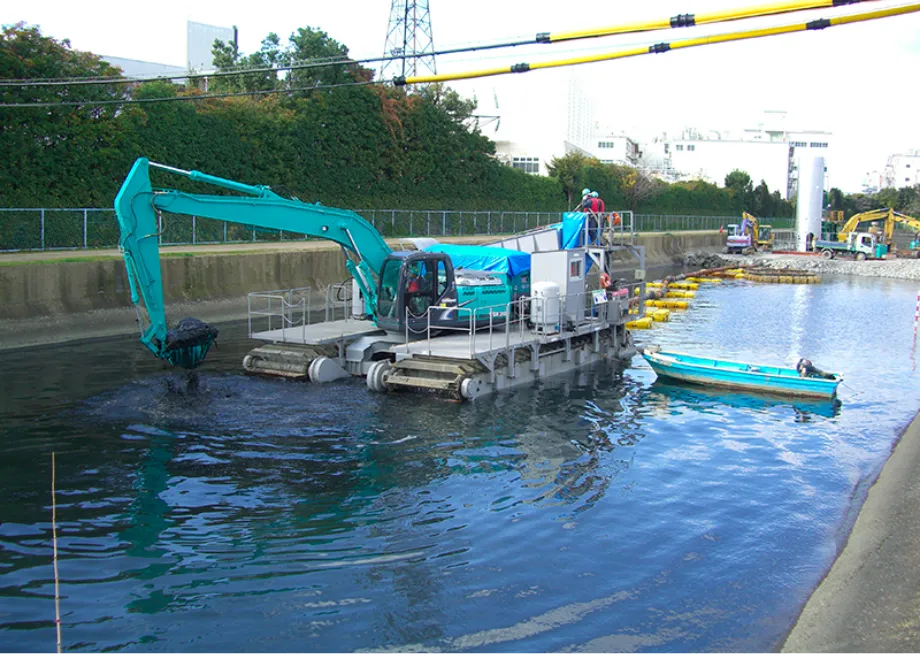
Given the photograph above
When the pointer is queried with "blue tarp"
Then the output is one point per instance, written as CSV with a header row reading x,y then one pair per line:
x,y
480,257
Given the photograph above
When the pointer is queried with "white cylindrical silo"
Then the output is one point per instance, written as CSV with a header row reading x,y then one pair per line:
x,y
809,200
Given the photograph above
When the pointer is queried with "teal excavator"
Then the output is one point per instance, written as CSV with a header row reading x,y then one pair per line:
x,y
404,292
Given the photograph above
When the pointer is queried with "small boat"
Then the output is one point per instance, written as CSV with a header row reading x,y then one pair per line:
x,y
745,376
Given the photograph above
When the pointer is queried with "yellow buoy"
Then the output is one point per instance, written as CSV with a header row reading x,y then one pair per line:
x,y
641,323
667,304
661,315
654,284
681,294
684,286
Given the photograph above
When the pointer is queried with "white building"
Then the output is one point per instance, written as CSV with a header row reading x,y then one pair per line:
x,y
199,42
713,160
769,152
903,170
617,149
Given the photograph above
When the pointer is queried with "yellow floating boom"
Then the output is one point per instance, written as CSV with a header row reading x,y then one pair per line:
x,y
667,304
641,323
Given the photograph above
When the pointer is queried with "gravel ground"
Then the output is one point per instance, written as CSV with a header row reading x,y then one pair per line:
x,y
895,268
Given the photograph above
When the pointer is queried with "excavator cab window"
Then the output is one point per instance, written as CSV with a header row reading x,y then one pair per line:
x,y
389,288
421,286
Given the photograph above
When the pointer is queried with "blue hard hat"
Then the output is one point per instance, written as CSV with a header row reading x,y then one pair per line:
x,y
594,194
585,192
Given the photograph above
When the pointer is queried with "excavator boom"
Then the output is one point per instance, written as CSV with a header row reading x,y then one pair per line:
x,y
888,216
137,205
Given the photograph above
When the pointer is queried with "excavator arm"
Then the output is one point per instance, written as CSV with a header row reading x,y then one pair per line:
x,y
855,220
895,217
889,216
755,226
137,205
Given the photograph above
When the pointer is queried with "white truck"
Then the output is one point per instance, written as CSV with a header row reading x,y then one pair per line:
x,y
859,245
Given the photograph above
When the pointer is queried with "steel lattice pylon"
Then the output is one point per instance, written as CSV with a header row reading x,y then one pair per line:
x,y
408,38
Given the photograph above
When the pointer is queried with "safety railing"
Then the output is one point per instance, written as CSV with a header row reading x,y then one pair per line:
x,y
86,228
280,309
588,310
337,297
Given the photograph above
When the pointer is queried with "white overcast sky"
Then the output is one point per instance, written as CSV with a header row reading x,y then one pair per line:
x,y
857,81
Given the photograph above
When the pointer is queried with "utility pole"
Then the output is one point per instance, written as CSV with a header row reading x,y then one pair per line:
x,y
409,39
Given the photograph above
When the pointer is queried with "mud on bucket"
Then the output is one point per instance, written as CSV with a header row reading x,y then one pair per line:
x,y
188,343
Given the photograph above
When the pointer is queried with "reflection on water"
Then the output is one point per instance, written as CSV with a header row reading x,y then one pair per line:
x,y
664,393
603,510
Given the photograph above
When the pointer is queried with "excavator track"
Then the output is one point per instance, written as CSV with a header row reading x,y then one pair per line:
x,y
287,360
442,377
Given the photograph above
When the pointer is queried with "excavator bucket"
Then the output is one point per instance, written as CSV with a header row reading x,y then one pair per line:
x,y
188,343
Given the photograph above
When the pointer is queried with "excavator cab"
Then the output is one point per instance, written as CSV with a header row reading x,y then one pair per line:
x,y
418,290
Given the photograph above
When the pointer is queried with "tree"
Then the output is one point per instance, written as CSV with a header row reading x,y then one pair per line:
x,y
570,171
58,146
739,185
310,46
637,187
449,101
227,58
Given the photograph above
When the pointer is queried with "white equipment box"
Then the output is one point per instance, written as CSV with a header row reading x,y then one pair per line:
x,y
566,268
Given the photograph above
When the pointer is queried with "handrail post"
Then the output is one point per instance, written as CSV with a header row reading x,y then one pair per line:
x,y
84,229
42,227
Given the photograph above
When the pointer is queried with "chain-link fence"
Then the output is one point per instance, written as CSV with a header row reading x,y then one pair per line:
x,y
58,229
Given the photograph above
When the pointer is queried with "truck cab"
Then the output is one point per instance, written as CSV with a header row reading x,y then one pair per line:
x,y
859,245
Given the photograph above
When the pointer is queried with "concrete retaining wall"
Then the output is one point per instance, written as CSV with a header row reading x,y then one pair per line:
x,y
46,289
54,302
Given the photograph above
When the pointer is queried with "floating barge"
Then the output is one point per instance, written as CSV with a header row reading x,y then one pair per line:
x,y
539,336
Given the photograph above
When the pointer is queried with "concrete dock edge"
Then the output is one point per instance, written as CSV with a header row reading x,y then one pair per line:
x,y
869,601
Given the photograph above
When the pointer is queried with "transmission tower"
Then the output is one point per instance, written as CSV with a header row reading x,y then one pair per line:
x,y
408,38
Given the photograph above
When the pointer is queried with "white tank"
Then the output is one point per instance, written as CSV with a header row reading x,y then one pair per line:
x,y
545,306
809,199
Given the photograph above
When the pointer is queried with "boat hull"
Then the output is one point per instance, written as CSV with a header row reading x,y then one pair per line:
x,y
739,376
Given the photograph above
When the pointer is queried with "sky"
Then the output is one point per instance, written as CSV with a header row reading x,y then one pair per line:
x,y
856,81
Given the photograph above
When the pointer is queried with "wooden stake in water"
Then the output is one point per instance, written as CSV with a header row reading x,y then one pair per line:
x,y
917,315
57,588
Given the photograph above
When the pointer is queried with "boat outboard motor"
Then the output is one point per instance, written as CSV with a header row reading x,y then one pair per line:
x,y
806,368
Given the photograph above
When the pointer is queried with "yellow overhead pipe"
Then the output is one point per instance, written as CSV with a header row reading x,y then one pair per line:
x,y
690,20
664,47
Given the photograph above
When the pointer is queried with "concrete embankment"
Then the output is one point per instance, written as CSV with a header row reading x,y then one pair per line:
x,y
870,599
48,297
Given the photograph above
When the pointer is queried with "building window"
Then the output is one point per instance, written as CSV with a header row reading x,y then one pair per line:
x,y
908,165
606,144
530,165
818,145
691,148
799,144
679,147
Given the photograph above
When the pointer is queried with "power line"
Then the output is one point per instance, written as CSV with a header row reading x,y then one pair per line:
x,y
678,21
178,98
665,46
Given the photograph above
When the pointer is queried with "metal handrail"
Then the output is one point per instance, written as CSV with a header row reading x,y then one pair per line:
x,y
286,311
589,309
